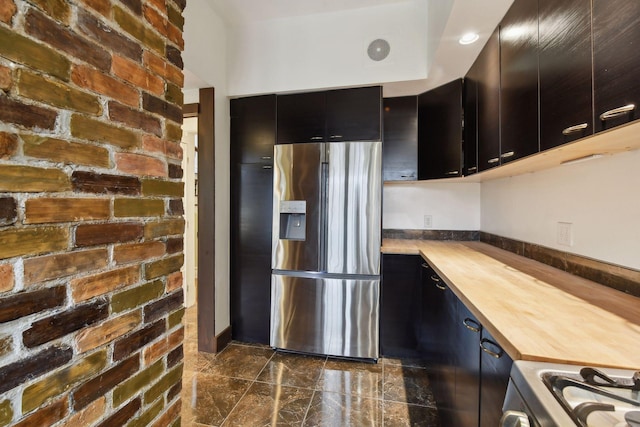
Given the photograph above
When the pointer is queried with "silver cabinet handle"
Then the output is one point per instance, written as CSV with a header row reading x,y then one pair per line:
x,y
497,354
576,128
494,160
452,173
316,138
617,112
425,265
265,158
471,325
267,167
335,136
507,154
472,169
514,419
437,281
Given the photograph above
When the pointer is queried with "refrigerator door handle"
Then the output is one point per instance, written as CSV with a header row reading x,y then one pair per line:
x,y
324,221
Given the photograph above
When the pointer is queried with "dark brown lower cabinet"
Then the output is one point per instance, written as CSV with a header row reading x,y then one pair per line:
x,y
495,366
399,307
422,318
250,291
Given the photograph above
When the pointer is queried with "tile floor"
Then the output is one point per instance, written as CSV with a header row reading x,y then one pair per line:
x,y
252,385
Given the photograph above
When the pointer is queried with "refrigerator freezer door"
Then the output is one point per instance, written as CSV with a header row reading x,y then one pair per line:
x,y
297,183
354,192
335,317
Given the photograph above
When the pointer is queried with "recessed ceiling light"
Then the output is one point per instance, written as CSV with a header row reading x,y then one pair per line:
x,y
469,38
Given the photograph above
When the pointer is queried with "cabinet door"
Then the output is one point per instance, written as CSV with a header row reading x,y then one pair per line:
x,y
253,129
495,366
400,139
467,397
519,81
301,117
488,67
354,114
440,132
399,308
251,252
566,112
470,127
616,59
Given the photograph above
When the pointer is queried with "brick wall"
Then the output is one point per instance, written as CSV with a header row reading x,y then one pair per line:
x,y
90,212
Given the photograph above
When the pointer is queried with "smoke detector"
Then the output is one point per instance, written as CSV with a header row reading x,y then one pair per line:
x,y
378,49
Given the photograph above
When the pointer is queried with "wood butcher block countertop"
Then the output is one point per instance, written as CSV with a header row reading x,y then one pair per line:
x,y
534,311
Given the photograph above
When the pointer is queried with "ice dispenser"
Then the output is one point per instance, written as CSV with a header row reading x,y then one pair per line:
x,y
293,218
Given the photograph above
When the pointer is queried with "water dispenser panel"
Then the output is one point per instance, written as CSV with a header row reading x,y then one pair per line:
x,y
293,219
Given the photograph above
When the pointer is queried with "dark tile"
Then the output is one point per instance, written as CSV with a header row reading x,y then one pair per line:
x,y
407,384
240,361
349,377
270,405
335,409
398,414
292,369
209,399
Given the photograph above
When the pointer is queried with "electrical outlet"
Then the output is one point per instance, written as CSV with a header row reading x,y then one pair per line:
x,y
565,234
428,221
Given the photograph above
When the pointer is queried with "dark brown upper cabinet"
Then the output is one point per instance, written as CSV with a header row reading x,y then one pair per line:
x,y
470,123
440,132
354,114
566,111
253,129
337,115
487,66
519,81
616,59
301,117
400,139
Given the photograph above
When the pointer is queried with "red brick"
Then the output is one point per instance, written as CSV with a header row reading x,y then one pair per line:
x,y
8,211
138,339
91,182
134,118
27,115
102,234
6,277
107,331
61,324
138,252
24,304
85,288
99,82
7,10
159,309
141,165
105,35
32,366
8,145
100,6
135,74
46,416
176,172
100,385
174,281
153,104
91,413
174,56
57,266
158,21
5,76
163,68
123,415
160,5
58,36
154,144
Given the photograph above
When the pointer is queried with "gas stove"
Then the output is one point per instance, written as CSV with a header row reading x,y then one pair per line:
x,y
546,394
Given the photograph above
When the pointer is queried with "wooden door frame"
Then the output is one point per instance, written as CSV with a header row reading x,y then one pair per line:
x,y
205,112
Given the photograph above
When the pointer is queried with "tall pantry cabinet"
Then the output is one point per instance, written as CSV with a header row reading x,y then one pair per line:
x,y
253,133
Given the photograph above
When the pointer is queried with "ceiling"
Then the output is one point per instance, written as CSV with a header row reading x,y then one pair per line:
x,y
451,60
260,10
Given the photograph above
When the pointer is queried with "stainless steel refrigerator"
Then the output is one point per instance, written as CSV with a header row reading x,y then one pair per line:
x,y
325,282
